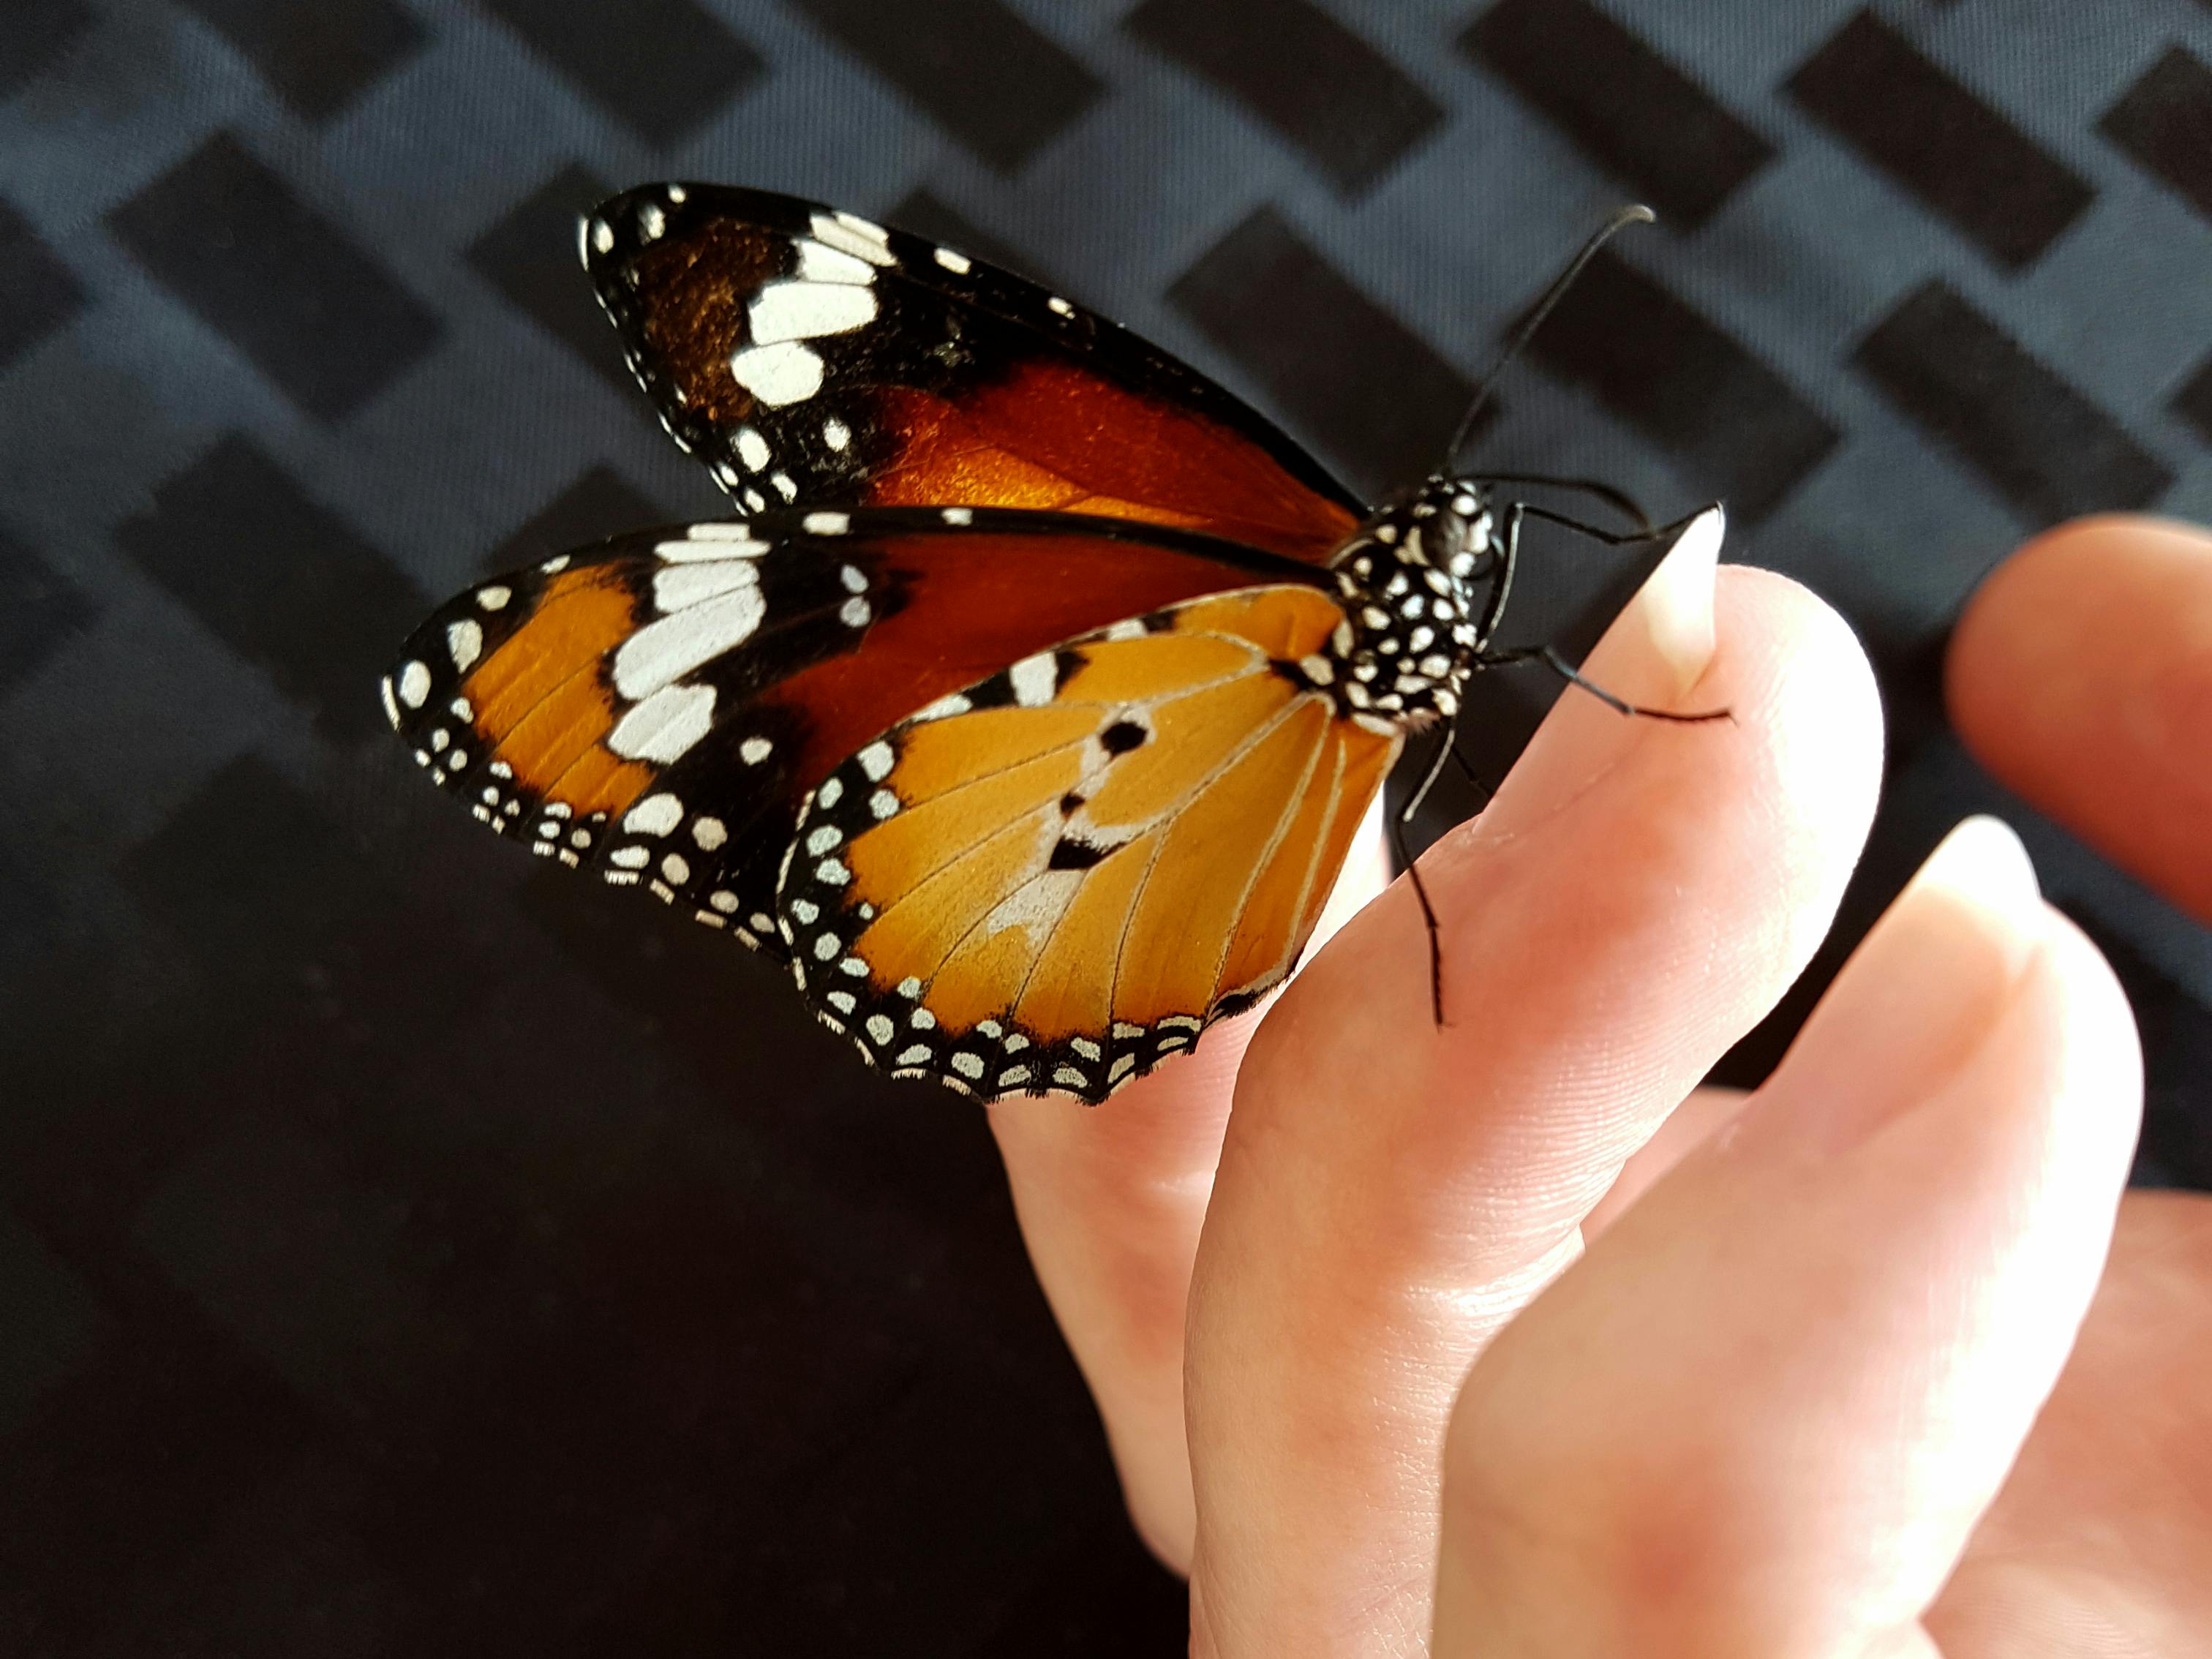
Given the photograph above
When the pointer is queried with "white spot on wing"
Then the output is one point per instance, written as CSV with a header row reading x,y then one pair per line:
x,y
854,613
665,725
753,751
1060,305
651,220
835,433
702,552
656,815
603,236
957,515
664,651
826,524
848,234
876,761
784,373
680,587
1034,679
752,449
709,833
820,262
494,597
953,261
391,702
465,639
804,311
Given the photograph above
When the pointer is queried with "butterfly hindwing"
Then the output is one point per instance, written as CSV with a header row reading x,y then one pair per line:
x,y
810,357
1054,878
658,708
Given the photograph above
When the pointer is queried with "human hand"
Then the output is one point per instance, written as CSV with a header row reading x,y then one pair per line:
x,y
1765,1412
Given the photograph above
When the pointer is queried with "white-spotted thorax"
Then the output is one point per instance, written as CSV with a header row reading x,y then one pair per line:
x,y
1421,583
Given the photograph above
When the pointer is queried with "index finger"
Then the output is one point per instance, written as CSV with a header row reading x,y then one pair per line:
x,y
2080,676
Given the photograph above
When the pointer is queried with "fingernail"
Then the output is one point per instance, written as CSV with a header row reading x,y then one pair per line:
x,y
1676,601
1921,994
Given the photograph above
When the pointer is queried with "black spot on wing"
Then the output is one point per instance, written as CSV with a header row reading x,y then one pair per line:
x,y
1121,737
1069,853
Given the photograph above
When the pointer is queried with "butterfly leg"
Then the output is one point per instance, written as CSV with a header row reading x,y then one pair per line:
x,y
1399,821
1567,672
1613,538
1509,556
1620,500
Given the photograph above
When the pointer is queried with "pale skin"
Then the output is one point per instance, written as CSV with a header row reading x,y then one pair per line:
x,y
1507,1340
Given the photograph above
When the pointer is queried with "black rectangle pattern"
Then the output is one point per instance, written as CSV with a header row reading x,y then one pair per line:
x,y
1737,427
2165,122
1377,397
316,315
321,56
38,293
1323,87
279,579
38,611
2047,448
985,75
530,256
1636,114
662,66
1964,161
599,504
2193,403
37,32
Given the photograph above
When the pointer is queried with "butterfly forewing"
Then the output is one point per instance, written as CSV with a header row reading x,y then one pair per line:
x,y
809,357
658,708
1054,878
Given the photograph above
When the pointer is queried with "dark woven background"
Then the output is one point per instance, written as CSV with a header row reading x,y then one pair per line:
x,y
406,1250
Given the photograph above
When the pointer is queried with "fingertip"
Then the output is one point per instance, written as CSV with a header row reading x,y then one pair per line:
x,y
2080,675
2097,1088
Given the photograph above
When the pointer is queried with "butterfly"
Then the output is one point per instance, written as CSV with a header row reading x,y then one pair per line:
x,y
1029,709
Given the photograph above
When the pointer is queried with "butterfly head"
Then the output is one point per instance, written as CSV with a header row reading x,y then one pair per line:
x,y
1421,584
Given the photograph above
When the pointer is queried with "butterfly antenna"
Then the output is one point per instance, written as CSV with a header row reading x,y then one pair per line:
x,y
1634,214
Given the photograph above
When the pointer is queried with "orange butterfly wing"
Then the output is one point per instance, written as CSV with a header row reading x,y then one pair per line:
x,y
658,708
1057,879
810,357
